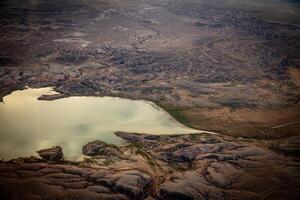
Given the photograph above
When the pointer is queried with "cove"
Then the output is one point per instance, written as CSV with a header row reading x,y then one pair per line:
x,y
28,124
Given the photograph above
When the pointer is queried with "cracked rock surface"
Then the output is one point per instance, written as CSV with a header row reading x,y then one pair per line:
x,y
167,167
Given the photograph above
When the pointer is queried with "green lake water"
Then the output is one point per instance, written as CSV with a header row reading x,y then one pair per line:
x,y
28,124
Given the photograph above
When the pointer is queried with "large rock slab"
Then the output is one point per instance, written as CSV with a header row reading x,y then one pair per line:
x,y
205,166
165,167
65,182
133,183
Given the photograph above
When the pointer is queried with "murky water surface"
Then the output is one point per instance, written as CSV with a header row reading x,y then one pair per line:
x,y
28,124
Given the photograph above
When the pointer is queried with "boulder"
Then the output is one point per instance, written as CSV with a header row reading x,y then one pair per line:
x,y
53,154
100,148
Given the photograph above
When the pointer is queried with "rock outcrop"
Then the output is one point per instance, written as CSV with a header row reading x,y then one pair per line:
x,y
204,166
53,154
100,148
166,167
46,181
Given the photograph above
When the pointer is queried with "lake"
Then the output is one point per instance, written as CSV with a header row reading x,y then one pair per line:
x,y
28,124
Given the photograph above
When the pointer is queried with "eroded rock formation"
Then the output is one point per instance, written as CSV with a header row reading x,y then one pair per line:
x,y
53,153
167,167
100,148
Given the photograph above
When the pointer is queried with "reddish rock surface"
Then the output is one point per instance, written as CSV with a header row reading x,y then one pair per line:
x,y
53,154
168,167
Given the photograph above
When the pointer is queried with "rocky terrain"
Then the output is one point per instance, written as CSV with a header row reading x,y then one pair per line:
x,y
227,66
192,166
